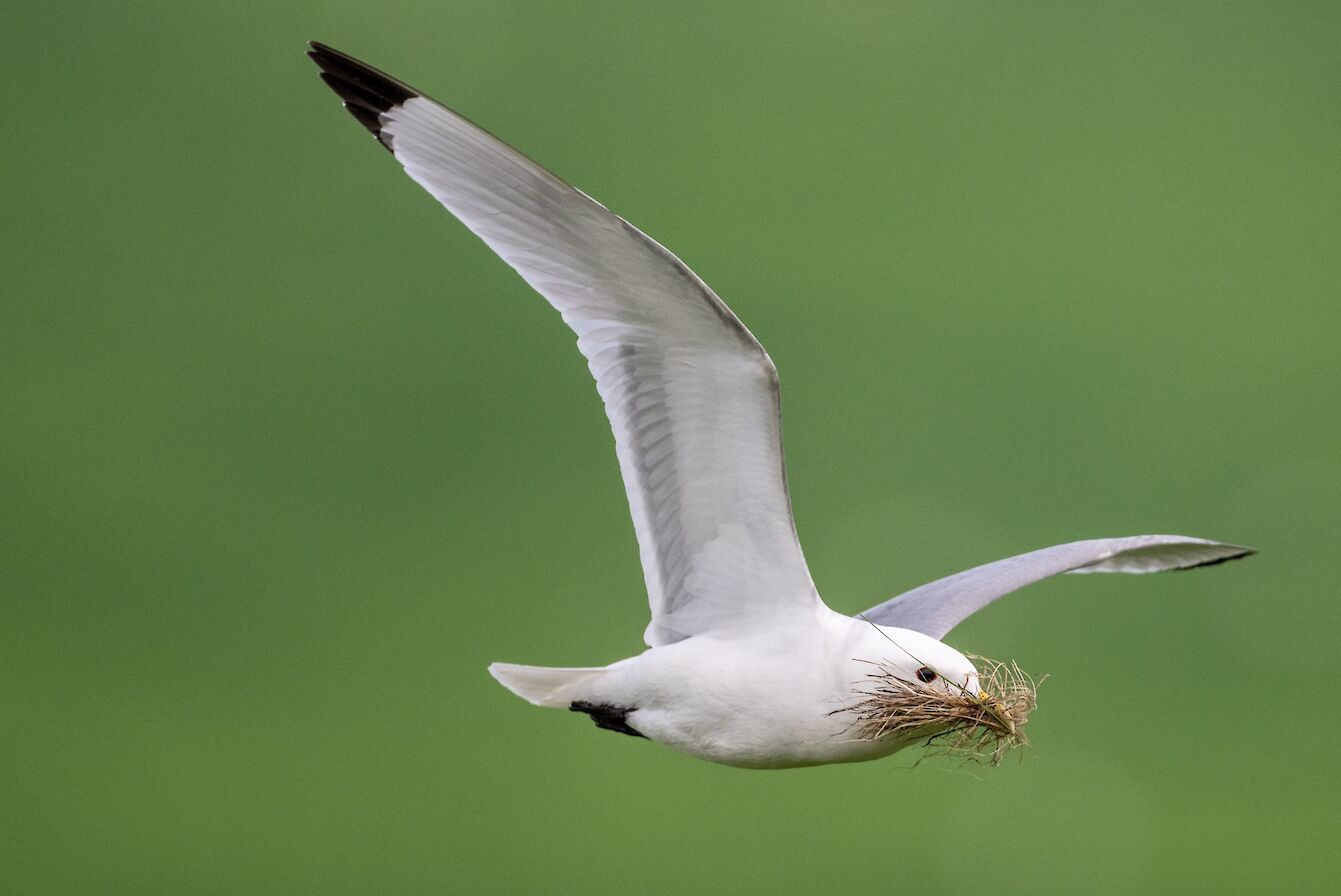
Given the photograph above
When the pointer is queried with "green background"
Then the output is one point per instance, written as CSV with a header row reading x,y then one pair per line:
x,y
289,457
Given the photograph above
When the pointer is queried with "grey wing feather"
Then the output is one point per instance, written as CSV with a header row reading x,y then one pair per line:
x,y
691,396
937,607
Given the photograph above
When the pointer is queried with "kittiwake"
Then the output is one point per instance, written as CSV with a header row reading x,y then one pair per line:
x,y
745,664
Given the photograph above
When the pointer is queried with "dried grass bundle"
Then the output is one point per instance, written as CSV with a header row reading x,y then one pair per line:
x,y
962,724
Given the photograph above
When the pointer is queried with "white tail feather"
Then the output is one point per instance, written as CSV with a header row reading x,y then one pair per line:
x,y
542,685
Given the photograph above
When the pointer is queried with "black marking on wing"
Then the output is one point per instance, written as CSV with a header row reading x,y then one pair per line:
x,y
1246,552
367,92
608,716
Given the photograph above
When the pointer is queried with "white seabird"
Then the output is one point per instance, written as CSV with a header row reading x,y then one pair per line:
x,y
746,665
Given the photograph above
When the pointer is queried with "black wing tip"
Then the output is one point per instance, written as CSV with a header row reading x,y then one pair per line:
x,y
1239,553
367,92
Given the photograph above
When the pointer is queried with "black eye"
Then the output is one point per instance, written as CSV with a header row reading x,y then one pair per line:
x,y
926,675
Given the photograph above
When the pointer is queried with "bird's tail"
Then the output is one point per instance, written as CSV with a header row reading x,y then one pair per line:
x,y
543,685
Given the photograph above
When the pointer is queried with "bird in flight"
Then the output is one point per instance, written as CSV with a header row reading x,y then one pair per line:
x,y
745,665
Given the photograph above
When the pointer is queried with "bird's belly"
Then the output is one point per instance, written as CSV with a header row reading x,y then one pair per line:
x,y
748,711
736,746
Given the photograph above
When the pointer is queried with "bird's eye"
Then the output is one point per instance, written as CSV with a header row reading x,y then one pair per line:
x,y
926,675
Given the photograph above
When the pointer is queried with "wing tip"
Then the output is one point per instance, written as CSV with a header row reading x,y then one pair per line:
x,y
367,93
1236,552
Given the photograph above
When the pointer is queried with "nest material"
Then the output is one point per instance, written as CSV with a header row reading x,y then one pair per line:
x,y
959,723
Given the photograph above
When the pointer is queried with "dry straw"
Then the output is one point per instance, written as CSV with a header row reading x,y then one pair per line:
x,y
954,722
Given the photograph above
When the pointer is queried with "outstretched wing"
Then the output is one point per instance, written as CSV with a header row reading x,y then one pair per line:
x,y
937,607
691,395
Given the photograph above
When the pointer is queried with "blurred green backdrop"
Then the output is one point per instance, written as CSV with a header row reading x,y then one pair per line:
x,y
289,457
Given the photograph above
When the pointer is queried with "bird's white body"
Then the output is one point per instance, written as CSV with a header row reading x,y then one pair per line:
x,y
747,666
775,698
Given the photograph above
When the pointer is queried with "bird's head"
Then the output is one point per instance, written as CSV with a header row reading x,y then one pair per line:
x,y
923,661
921,687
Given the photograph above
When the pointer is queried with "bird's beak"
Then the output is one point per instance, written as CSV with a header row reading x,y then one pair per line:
x,y
997,710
